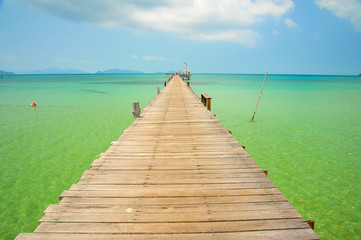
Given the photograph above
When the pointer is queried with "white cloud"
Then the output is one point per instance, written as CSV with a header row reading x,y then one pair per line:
x,y
153,58
275,32
9,57
290,23
229,20
60,59
347,9
13,58
87,61
134,56
244,37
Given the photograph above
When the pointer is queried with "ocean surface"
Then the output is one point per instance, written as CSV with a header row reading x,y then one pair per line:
x,y
307,133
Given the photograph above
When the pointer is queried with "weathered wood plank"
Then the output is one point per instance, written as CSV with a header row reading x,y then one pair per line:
x,y
167,228
120,167
132,216
168,207
120,174
170,193
177,200
178,172
214,186
301,234
145,180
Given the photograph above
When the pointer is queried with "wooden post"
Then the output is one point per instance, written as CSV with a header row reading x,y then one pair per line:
x,y
254,114
165,83
311,223
209,104
188,83
265,172
158,89
206,100
136,110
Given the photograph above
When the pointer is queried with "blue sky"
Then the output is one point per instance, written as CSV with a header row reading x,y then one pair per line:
x,y
212,36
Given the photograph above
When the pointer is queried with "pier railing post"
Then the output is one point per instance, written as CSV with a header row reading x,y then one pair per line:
x,y
209,104
311,223
158,89
206,100
136,110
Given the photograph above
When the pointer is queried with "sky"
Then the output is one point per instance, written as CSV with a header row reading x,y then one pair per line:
x,y
212,36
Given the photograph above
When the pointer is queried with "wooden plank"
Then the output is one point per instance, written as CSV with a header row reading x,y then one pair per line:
x,y
301,234
170,193
178,172
215,186
145,180
132,216
174,164
119,167
168,228
177,200
168,174
168,207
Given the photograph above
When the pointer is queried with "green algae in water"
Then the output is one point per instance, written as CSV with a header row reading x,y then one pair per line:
x,y
306,133
44,150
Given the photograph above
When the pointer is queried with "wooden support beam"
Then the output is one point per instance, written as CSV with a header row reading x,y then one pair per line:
x,y
311,223
136,110
206,100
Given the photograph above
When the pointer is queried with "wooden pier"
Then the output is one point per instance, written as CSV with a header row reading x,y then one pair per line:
x,y
175,173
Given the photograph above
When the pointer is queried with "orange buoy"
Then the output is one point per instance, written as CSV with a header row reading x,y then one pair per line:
x,y
33,104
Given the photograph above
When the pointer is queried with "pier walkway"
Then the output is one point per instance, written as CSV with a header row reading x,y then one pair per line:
x,y
175,173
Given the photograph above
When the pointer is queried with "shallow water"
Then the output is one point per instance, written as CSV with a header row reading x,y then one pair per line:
x,y
306,133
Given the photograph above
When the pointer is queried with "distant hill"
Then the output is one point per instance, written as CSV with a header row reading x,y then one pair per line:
x,y
6,73
57,71
117,70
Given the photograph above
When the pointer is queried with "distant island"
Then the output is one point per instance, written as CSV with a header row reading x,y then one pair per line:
x,y
6,73
117,70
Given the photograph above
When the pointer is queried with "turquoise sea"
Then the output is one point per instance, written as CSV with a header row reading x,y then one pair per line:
x,y
307,133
